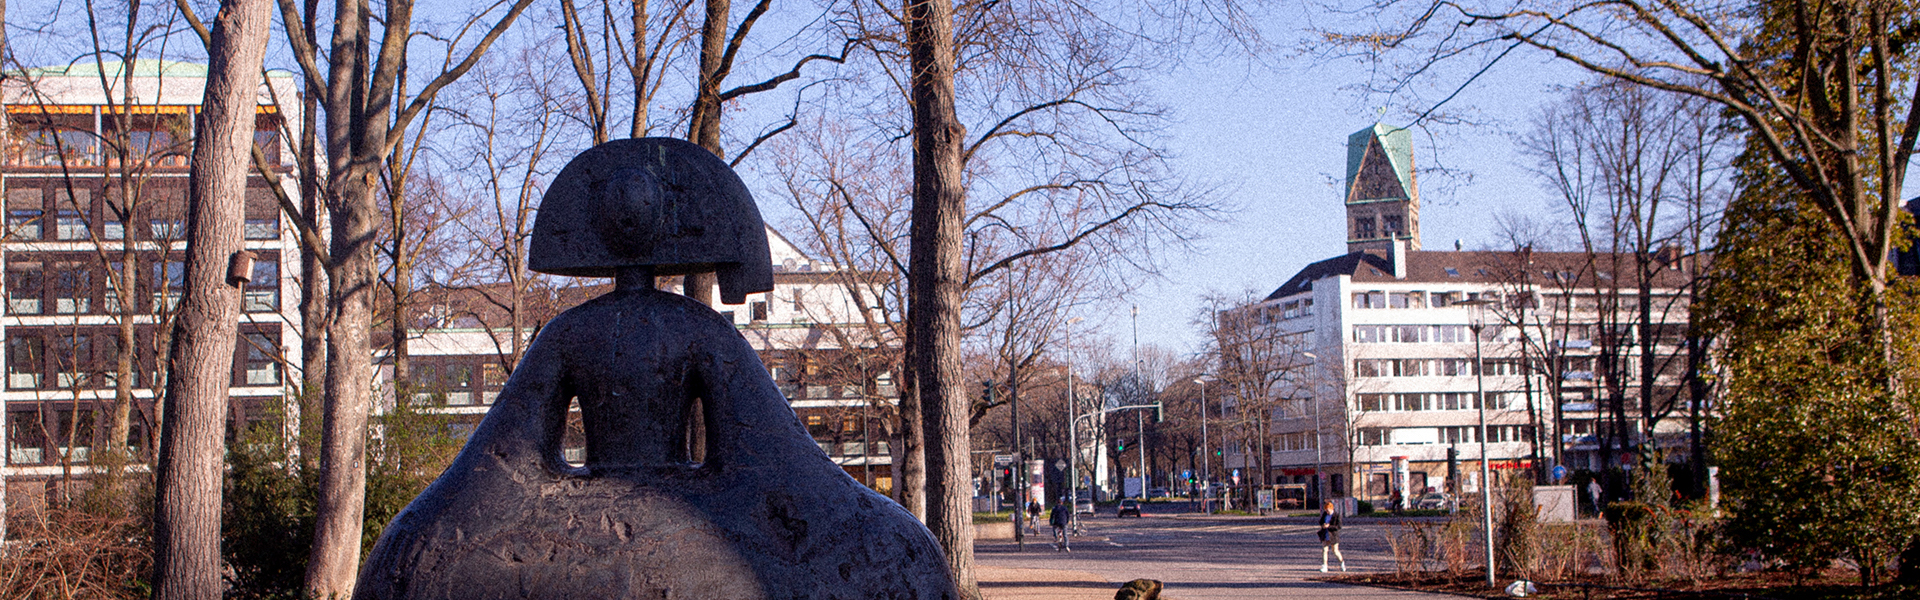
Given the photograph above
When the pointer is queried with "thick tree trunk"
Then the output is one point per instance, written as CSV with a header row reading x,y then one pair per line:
x,y
935,280
640,70
187,503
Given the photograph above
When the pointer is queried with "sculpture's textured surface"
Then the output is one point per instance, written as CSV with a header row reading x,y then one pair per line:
x,y
658,202
766,515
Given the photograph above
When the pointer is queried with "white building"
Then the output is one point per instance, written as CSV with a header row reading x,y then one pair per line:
x,y
1371,350
95,177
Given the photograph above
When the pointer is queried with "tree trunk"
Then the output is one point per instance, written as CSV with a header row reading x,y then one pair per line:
x,y
640,70
910,455
935,278
340,506
187,503
313,271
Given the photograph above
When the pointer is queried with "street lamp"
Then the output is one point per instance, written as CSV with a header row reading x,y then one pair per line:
x,y
1313,395
1206,455
1073,438
1477,321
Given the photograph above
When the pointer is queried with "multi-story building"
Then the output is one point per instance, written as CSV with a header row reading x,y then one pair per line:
x,y
94,175
1362,372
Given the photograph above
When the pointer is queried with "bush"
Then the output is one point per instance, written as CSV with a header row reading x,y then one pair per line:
x,y
1365,507
61,552
273,481
1517,540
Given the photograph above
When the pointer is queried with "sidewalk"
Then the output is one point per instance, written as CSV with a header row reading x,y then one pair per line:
x,y
1010,583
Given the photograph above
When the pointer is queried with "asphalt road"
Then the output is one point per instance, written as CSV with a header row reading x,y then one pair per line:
x,y
1209,557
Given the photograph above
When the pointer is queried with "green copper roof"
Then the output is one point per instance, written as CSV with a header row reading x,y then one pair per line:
x,y
145,67
1396,141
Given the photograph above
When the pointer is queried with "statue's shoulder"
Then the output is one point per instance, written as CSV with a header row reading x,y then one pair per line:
x,y
615,311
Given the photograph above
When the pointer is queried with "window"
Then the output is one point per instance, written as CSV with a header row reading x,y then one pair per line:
x,y
263,291
149,145
1453,367
169,279
1412,367
1374,402
24,443
72,288
1452,334
1441,299
1409,334
268,141
23,224
72,354
1363,228
26,357
1373,299
1375,436
1372,368
1393,224
849,425
1369,334
24,282
458,380
69,225
759,310
263,229
167,229
261,369
73,434
114,230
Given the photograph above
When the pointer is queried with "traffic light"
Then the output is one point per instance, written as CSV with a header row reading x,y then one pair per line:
x,y
986,392
1121,446
1159,413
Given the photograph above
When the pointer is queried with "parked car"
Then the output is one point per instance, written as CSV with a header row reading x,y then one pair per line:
x,y
1158,492
1083,507
1432,501
1129,506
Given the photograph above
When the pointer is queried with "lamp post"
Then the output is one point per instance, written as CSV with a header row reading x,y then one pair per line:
x,y
1206,455
1073,437
1319,461
1477,321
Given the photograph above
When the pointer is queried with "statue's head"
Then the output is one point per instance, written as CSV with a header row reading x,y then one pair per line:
x,y
659,202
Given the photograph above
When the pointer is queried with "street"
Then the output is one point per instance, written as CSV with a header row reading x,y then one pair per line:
x,y
1200,557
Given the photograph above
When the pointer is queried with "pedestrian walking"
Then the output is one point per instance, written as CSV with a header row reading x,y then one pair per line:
x,y
1062,512
1330,536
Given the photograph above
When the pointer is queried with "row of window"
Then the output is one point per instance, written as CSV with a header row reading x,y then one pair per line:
x,y
28,225
1420,334
1413,299
1433,401
447,382
1431,367
1291,309
68,360
1397,436
59,435
71,287
77,147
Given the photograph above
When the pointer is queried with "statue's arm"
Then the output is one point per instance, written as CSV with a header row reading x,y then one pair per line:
x,y
525,425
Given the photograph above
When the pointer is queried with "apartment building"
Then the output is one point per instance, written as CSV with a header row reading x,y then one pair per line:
x,y
94,177
1375,391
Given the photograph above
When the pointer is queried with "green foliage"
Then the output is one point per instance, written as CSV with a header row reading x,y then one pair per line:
x,y
273,479
1819,459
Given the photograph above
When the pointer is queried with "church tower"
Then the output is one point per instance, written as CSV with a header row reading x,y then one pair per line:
x,y
1383,200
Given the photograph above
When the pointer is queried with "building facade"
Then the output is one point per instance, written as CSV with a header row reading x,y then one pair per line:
x,y
95,182
1364,364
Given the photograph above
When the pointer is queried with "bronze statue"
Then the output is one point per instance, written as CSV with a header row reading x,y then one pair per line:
x,y
763,514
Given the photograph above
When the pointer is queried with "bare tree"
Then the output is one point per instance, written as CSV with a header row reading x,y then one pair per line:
x,y
187,503
368,114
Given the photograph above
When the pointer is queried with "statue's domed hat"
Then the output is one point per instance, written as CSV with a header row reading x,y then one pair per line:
x,y
659,202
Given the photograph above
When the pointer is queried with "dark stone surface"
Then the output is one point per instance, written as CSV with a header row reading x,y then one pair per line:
x,y
766,515
659,202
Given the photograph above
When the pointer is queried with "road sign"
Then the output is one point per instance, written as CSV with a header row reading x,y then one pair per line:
x,y
1001,460
1060,464
1559,472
